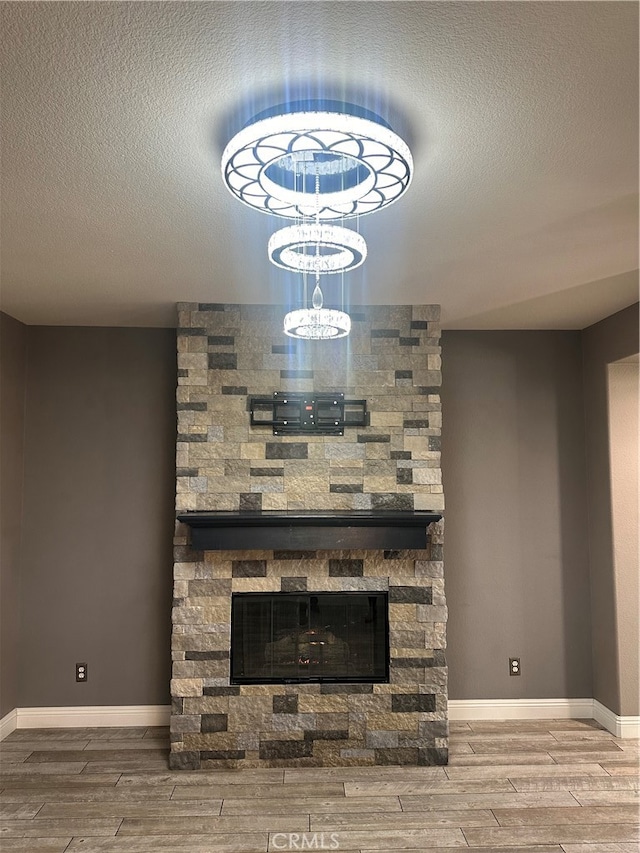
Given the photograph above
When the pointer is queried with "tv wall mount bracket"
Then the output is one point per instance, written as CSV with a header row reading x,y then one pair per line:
x,y
307,413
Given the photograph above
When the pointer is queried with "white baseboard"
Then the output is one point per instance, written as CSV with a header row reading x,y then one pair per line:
x,y
94,716
621,727
544,709
9,723
88,716
520,709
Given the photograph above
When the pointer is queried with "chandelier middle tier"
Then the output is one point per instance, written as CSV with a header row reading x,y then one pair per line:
x,y
272,163
314,247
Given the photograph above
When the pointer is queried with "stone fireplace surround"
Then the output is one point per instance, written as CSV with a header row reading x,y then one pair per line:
x,y
391,359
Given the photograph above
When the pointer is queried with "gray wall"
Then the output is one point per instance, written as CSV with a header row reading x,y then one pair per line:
x,y
605,342
516,559
13,366
98,521
98,516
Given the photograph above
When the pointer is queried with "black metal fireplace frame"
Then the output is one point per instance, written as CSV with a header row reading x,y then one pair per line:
x,y
368,679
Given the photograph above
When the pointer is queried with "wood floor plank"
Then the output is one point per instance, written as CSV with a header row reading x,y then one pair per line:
x,y
204,777
535,848
311,805
51,744
620,768
563,834
598,798
551,746
556,816
205,825
613,847
255,842
12,771
565,756
501,726
309,774
486,760
129,765
35,845
14,756
144,743
86,794
58,780
574,783
122,756
132,808
321,789
499,771
394,839
581,734
483,800
19,811
51,828
381,789
402,820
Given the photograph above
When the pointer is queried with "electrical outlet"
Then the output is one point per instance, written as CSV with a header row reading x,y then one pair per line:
x,y
81,672
514,666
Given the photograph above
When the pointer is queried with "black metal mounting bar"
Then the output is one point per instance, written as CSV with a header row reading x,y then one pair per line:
x,y
296,413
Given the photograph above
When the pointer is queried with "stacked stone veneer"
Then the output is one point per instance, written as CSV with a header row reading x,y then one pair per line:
x,y
391,359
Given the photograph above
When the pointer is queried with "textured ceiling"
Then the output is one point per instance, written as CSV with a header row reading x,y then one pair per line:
x,y
522,118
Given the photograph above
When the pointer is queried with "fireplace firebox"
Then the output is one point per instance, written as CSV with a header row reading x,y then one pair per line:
x,y
300,637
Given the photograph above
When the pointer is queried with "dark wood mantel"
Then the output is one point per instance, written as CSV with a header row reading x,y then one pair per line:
x,y
307,530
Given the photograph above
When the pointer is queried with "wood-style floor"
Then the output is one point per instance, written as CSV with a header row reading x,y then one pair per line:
x,y
539,787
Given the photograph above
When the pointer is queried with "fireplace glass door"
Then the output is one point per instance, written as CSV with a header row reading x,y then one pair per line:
x,y
291,637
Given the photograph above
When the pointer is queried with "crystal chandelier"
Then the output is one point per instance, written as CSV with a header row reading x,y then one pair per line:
x,y
317,162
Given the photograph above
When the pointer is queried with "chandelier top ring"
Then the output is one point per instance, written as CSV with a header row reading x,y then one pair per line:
x,y
282,163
